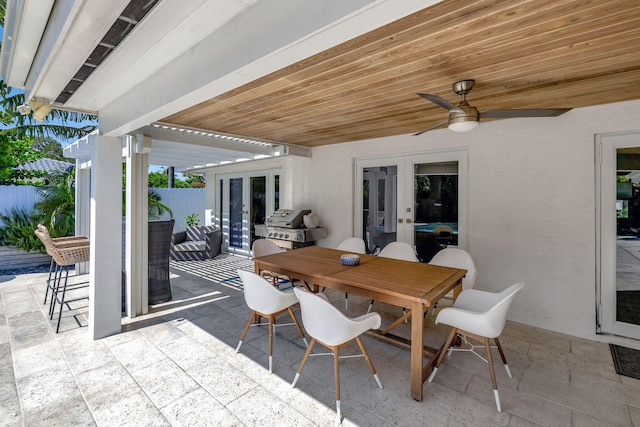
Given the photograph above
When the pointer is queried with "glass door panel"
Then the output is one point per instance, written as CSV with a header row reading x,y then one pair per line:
x,y
619,242
258,195
379,212
236,212
436,207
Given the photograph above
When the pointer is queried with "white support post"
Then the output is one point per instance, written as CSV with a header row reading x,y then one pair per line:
x,y
105,295
136,236
83,206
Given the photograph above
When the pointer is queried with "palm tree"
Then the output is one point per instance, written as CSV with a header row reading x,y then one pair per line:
x,y
155,207
25,126
57,204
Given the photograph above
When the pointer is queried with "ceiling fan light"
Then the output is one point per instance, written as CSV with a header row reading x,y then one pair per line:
x,y
463,126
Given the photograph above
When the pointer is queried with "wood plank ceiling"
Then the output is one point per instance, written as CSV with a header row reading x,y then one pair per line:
x,y
522,54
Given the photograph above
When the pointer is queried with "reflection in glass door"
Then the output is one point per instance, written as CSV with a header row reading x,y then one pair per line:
x,y
380,207
258,195
435,198
236,213
619,237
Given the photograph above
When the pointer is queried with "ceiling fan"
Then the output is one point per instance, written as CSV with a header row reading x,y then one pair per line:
x,y
465,117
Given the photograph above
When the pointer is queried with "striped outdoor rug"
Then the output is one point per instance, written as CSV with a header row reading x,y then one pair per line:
x,y
223,269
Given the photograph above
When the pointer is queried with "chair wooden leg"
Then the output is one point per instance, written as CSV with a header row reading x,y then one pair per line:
x,y
368,359
336,370
492,371
304,360
504,359
295,320
272,322
246,329
443,352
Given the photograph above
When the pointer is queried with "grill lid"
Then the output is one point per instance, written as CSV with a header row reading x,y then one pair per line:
x,y
287,218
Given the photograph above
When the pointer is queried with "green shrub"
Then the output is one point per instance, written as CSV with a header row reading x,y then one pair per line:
x,y
18,230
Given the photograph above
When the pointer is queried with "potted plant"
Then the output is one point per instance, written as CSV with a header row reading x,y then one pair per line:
x,y
192,220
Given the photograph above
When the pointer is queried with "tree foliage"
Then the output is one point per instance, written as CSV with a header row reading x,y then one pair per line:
x,y
18,133
49,148
56,210
18,228
13,153
59,123
160,179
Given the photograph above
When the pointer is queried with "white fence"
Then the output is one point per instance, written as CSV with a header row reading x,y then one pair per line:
x,y
17,196
182,201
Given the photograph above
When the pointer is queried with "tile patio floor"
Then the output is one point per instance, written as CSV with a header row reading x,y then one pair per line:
x,y
178,366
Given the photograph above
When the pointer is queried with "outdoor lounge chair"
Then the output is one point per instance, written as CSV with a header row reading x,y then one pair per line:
x,y
196,243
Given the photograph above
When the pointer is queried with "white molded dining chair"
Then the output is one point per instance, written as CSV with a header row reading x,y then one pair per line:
x,y
326,325
352,245
264,247
266,301
481,316
397,250
456,258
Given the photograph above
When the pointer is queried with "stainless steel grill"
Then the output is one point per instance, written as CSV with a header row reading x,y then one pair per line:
x,y
286,229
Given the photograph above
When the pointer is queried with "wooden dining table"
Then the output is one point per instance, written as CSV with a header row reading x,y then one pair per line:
x,y
411,285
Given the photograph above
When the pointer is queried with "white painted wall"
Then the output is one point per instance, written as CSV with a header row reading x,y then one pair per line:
x,y
531,205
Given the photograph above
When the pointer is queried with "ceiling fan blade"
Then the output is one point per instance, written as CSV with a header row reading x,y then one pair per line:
x,y
440,101
506,114
432,127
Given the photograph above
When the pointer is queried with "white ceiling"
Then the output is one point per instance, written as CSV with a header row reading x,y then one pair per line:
x,y
183,53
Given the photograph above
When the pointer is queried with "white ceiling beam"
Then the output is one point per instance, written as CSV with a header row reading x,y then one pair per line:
x,y
204,140
25,23
264,38
170,28
75,27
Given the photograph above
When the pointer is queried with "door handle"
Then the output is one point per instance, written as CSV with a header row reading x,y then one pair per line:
x,y
399,220
408,220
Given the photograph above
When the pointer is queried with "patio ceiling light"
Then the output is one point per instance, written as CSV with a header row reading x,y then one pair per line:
x,y
40,110
216,135
24,109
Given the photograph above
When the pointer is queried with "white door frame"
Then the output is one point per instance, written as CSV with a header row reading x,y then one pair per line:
x,y
606,146
223,222
405,195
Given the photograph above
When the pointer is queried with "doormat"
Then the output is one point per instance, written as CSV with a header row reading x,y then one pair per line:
x,y
626,361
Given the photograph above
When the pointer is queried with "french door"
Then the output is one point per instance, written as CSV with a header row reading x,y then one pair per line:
x,y
244,200
618,233
415,198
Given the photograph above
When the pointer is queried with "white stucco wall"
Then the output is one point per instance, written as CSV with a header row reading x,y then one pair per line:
x,y
531,205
